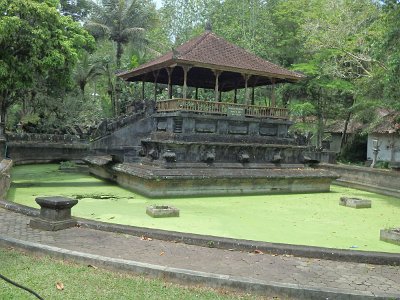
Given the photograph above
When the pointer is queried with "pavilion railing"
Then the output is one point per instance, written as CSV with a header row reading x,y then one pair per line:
x,y
221,108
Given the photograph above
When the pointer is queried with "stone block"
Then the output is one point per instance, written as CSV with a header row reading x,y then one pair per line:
x,y
162,211
355,202
391,235
55,213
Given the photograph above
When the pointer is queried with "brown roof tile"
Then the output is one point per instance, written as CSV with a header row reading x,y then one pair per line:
x,y
210,50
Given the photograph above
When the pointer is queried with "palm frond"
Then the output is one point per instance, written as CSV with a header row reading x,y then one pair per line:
x,y
98,30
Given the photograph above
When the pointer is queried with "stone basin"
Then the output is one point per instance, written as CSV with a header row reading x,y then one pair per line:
x,y
162,211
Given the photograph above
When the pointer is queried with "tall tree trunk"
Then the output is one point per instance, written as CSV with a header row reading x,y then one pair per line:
x,y
117,83
320,122
3,114
3,110
343,139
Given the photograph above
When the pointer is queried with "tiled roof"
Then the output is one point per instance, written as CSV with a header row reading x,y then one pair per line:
x,y
389,122
212,51
338,127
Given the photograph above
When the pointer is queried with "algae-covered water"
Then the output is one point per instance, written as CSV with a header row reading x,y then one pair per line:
x,y
303,219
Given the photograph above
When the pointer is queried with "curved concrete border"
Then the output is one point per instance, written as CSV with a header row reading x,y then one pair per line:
x,y
189,276
378,258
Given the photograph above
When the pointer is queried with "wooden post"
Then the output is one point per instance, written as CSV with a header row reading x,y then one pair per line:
x,y
246,90
216,73
235,98
169,71
219,96
142,89
185,71
273,100
155,73
196,96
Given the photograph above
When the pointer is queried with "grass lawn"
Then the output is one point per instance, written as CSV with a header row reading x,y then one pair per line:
x,y
83,282
303,219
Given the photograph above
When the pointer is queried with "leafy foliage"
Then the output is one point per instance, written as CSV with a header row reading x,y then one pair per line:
x,y
37,44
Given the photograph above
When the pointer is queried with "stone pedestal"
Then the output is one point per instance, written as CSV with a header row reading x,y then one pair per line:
x,y
390,235
355,202
55,213
162,211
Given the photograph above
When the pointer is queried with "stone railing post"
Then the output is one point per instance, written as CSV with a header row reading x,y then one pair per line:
x,y
55,213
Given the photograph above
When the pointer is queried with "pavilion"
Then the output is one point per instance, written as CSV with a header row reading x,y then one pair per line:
x,y
188,146
210,62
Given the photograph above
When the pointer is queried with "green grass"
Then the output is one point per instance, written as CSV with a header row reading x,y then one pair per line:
x,y
83,282
302,219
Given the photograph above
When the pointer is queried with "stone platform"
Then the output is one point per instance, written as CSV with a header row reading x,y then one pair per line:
x,y
201,180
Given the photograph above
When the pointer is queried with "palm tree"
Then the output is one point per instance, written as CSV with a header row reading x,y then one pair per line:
x,y
86,70
123,22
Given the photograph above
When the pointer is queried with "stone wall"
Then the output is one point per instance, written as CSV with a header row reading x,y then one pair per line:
x,y
41,152
386,182
389,147
5,179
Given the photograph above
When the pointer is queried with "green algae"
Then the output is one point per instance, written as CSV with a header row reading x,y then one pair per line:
x,y
304,219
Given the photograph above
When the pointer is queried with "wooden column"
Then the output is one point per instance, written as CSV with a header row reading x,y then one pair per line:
x,y
169,71
235,98
155,73
216,73
196,96
143,90
246,90
273,100
185,71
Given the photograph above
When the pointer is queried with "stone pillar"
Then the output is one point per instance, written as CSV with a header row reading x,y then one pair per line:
x,y
55,213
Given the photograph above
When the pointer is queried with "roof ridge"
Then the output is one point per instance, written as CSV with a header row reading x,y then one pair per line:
x,y
200,39
255,56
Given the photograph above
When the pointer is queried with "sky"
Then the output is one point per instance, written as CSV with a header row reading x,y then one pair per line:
x,y
158,3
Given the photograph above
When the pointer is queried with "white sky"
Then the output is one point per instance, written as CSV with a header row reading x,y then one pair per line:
x,y
158,3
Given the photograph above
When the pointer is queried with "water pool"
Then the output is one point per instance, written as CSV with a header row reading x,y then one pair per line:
x,y
304,219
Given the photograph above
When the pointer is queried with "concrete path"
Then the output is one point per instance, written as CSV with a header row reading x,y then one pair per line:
x,y
271,275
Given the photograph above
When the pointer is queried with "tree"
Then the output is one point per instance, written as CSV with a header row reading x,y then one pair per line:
x,y
389,51
35,42
78,10
123,22
86,71
184,19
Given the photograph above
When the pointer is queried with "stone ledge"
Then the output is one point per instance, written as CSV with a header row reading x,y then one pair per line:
x,y
41,224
